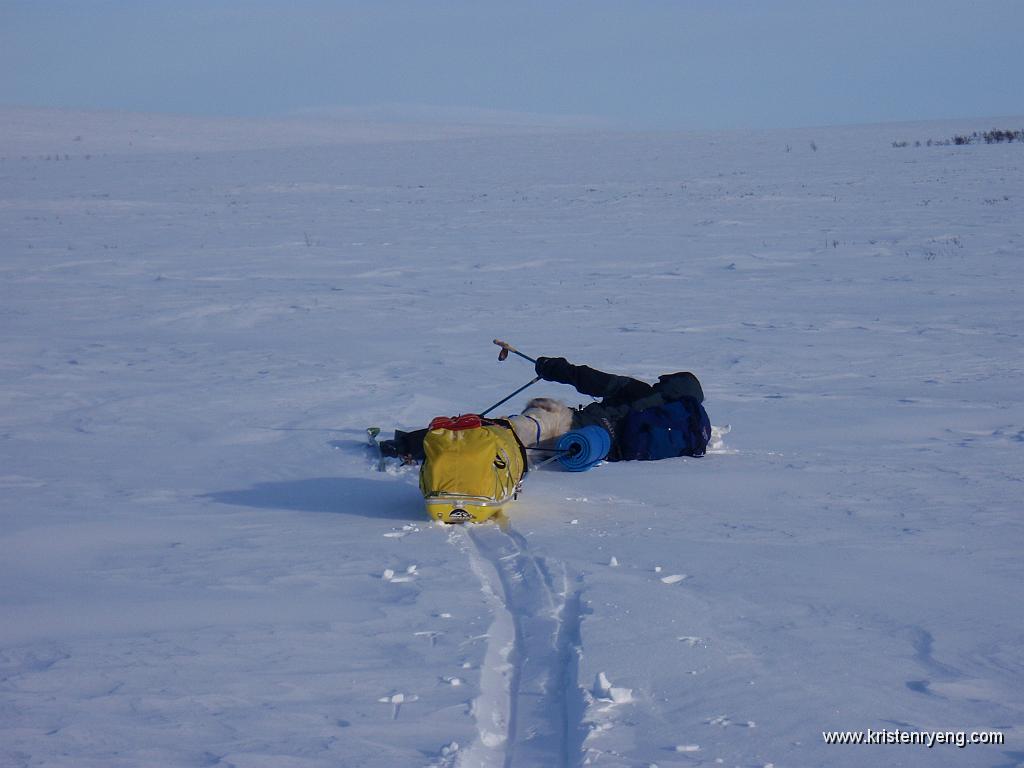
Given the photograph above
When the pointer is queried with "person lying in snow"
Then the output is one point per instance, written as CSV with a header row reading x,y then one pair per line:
x,y
639,417
645,421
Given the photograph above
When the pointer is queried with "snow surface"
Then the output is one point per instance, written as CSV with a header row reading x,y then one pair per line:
x,y
200,566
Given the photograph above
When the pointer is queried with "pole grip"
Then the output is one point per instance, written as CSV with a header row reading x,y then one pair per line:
x,y
506,348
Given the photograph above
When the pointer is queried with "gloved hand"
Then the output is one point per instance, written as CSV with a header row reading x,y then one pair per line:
x,y
552,368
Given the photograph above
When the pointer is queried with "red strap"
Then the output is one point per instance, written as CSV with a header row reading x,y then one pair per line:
x,y
457,423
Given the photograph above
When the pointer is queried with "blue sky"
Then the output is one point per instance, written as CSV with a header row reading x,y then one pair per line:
x,y
637,63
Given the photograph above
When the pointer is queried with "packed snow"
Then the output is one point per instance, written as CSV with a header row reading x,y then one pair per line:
x,y
202,566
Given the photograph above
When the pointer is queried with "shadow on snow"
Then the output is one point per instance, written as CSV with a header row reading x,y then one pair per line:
x,y
337,495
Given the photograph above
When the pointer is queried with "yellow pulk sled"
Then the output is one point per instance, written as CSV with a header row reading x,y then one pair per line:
x,y
474,467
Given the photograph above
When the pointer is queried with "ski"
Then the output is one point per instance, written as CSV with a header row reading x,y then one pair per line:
x,y
371,438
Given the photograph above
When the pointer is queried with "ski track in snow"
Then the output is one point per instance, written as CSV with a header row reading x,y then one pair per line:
x,y
530,708
201,565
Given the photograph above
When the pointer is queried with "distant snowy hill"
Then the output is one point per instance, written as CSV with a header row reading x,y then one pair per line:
x,y
200,565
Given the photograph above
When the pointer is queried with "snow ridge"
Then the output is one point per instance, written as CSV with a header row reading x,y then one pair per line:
x,y
530,708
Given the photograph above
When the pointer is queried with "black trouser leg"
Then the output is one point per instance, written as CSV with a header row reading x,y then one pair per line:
x,y
410,443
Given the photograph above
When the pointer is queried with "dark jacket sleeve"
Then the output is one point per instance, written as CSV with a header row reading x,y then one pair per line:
x,y
589,381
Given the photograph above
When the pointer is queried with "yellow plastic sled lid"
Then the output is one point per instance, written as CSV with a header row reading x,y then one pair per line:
x,y
464,509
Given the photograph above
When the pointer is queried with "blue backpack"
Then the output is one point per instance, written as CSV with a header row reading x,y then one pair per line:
x,y
678,428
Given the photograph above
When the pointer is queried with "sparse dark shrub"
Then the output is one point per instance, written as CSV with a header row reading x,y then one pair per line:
x,y
995,136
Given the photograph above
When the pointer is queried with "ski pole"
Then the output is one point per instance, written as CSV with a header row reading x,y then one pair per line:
x,y
546,461
506,348
505,400
558,453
